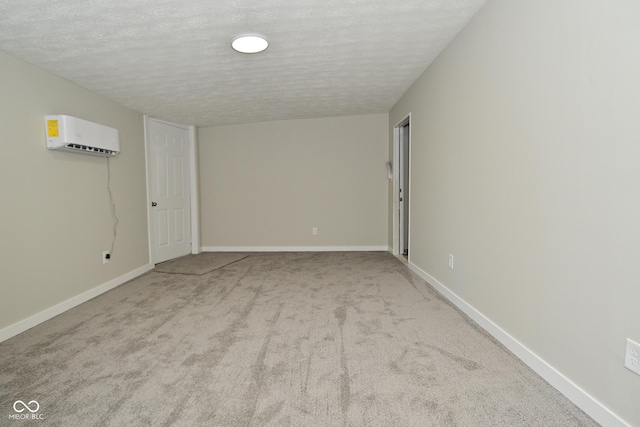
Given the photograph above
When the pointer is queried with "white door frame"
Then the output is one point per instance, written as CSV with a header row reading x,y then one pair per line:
x,y
193,183
396,183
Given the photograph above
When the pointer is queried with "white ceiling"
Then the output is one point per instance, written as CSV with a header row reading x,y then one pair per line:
x,y
172,59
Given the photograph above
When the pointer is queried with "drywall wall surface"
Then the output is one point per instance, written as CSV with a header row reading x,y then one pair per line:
x,y
269,184
56,214
526,167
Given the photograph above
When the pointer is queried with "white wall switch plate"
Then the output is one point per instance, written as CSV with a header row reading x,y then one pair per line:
x,y
632,356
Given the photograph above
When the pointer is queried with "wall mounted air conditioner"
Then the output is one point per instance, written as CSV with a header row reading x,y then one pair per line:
x,y
75,135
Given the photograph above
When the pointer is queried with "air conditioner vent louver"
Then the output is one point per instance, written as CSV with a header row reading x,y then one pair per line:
x,y
80,136
91,150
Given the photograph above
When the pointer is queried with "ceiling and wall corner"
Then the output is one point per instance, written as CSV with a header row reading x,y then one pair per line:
x,y
173,60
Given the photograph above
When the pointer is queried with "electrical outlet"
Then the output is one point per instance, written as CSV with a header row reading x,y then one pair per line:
x,y
632,356
314,231
106,257
451,261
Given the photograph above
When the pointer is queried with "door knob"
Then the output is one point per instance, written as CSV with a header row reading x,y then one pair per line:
x,y
154,204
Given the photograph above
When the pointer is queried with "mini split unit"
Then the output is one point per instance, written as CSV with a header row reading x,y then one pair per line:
x,y
75,135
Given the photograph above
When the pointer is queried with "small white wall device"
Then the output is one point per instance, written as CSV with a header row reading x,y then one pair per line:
x,y
75,135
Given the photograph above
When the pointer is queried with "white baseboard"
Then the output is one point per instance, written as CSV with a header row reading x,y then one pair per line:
x,y
294,248
60,308
564,385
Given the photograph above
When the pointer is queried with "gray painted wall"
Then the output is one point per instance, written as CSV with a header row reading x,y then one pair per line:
x,y
56,215
526,167
268,184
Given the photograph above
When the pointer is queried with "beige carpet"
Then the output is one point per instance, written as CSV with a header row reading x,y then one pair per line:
x,y
199,264
296,339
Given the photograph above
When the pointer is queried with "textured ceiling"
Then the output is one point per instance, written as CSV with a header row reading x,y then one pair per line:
x,y
172,59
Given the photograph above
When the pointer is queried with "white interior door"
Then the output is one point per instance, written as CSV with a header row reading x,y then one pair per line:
x,y
168,162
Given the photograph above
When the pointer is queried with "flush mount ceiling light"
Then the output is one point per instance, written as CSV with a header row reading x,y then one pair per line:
x,y
249,43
